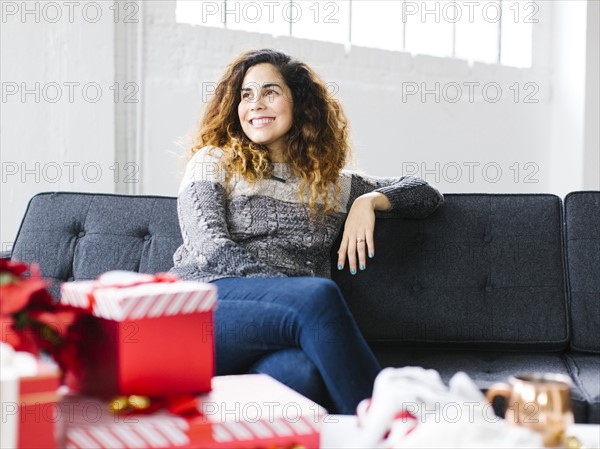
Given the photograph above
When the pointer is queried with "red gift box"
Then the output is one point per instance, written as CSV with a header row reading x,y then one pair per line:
x,y
140,331
28,393
246,411
38,409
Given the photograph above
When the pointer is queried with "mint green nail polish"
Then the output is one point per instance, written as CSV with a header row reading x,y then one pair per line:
x,y
340,267
362,267
353,271
371,255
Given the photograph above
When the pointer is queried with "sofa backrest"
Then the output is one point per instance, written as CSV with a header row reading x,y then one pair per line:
x,y
483,271
582,217
77,236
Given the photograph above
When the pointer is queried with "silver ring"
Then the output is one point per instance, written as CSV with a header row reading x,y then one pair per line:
x,y
359,240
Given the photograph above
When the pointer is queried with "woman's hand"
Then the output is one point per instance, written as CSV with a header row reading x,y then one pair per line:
x,y
358,230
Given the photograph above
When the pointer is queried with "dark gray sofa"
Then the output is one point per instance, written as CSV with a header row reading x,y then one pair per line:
x,y
490,284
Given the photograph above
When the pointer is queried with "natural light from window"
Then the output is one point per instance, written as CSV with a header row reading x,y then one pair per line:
x,y
493,32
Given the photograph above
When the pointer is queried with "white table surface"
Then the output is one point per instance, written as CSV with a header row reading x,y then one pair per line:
x,y
339,431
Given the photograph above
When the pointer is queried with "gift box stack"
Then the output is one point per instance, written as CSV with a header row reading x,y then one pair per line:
x,y
243,411
30,325
143,375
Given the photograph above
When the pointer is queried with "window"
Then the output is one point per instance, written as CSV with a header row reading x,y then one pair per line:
x,y
371,28
477,37
493,31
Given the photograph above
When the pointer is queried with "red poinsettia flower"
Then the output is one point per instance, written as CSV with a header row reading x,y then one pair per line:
x,y
30,319
17,294
13,267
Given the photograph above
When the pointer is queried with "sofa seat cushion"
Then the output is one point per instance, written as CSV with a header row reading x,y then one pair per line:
x,y
585,370
485,367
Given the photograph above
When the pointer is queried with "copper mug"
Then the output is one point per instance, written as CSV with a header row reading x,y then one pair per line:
x,y
539,401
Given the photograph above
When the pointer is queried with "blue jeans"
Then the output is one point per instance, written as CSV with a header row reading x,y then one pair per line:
x,y
296,329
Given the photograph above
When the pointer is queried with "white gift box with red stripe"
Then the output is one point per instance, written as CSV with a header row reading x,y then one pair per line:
x,y
145,335
246,411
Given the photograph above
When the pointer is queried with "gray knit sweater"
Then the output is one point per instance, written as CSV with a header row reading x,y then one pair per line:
x,y
262,230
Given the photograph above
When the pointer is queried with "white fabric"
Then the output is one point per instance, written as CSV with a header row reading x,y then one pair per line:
x,y
457,416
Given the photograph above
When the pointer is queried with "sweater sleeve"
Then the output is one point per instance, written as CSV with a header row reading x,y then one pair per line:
x,y
411,197
201,207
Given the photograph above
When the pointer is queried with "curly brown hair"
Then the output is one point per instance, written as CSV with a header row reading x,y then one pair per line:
x,y
317,142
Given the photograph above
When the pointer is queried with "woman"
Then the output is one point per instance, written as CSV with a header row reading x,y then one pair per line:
x,y
262,201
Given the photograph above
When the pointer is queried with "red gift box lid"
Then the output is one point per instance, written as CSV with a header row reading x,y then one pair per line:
x,y
142,296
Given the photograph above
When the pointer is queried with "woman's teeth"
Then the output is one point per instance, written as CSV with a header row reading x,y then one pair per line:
x,y
262,121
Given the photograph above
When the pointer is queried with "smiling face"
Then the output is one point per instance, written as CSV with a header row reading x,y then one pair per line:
x,y
265,109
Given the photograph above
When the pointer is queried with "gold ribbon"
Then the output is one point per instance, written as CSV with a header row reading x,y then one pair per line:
x,y
132,403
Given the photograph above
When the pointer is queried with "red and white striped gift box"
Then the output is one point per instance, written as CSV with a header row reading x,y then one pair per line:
x,y
147,335
248,411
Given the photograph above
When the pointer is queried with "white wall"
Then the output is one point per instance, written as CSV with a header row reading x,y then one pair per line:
x,y
44,138
179,62
591,174
568,69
